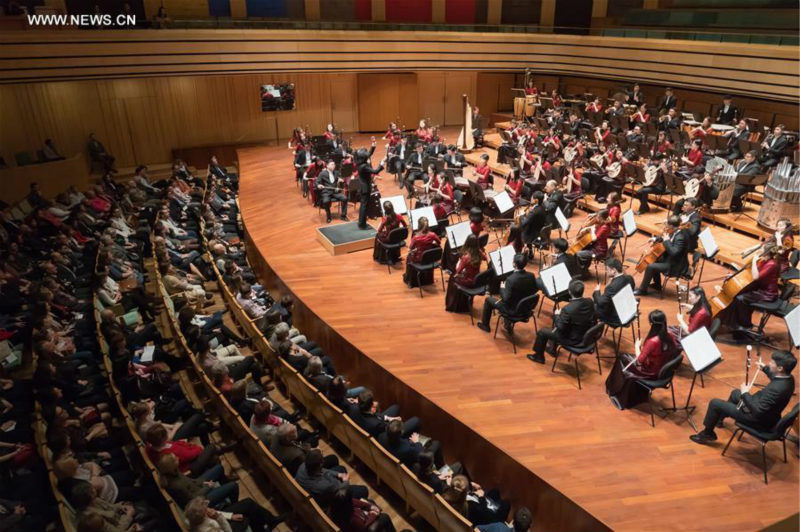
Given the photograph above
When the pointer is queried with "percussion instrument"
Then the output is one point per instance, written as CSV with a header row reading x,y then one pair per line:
x,y
721,128
725,180
781,196
530,105
461,182
519,106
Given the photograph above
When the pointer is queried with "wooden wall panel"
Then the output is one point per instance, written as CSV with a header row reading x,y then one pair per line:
x,y
457,84
431,96
493,92
753,70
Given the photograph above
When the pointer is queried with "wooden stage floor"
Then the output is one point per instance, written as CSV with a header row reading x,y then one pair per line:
x,y
579,463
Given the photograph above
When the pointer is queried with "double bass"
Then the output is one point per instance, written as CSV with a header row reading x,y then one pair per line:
x,y
731,287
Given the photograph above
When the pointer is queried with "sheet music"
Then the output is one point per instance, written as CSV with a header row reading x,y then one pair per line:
x,y
707,240
505,257
398,202
562,220
793,323
700,349
560,274
147,353
625,304
629,222
415,214
457,234
503,202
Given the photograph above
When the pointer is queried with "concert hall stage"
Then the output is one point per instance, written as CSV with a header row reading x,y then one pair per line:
x,y
575,460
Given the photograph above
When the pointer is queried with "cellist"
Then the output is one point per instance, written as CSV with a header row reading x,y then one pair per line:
x,y
765,268
673,261
599,247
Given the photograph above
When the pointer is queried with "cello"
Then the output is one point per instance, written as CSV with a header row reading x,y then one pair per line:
x,y
731,287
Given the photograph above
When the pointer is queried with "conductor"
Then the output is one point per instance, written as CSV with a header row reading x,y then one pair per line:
x,y
365,173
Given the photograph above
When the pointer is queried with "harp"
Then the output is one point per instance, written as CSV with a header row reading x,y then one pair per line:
x,y
466,142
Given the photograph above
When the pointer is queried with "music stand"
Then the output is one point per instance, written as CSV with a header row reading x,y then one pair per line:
x,y
476,192
703,354
674,185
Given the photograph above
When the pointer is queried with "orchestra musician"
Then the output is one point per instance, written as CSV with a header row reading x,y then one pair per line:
x,y
393,135
657,187
740,133
635,135
641,116
423,132
398,155
668,101
454,160
514,185
650,356
635,96
691,221
414,169
616,109
599,246
660,146
760,410
477,132
706,194
607,184
701,131
594,106
782,237
765,267
329,189
572,127
423,240
519,285
553,198
671,120
530,88
446,195
699,315
557,101
773,146
693,160
485,176
467,269
673,261
614,213
573,182
603,297
727,113
602,134
569,323
532,222
302,161
746,167
365,176
389,222
436,149
330,136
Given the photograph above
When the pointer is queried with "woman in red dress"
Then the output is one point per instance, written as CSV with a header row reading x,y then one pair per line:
x,y
514,185
766,269
614,213
390,221
699,315
422,240
485,178
660,147
467,270
641,116
530,89
393,135
651,355
693,160
424,132
446,194
702,131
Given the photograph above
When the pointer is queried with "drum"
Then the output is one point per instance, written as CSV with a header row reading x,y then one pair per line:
x,y
519,107
530,105
778,203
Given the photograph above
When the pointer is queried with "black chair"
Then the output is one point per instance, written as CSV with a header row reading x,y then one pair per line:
x,y
458,198
792,272
522,314
396,240
777,433
664,380
688,277
431,259
482,281
615,326
587,345
780,308
540,243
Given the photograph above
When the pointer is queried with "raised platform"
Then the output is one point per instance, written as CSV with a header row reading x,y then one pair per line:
x,y
568,454
343,238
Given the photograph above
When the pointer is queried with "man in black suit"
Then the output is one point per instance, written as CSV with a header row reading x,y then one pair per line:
x,y
534,220
369,418
691,216
454,160
571,323
414,170
365,173
330,190
635,96
746,167
400,152
657,187
635,136
519,285
406,449
734,136
436,149
553,198
673,261
773,147
302,162
603,302
669,101
761,410
671,121
727,113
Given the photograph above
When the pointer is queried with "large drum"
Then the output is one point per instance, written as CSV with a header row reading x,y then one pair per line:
x,y
781,200
519,107
530,105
